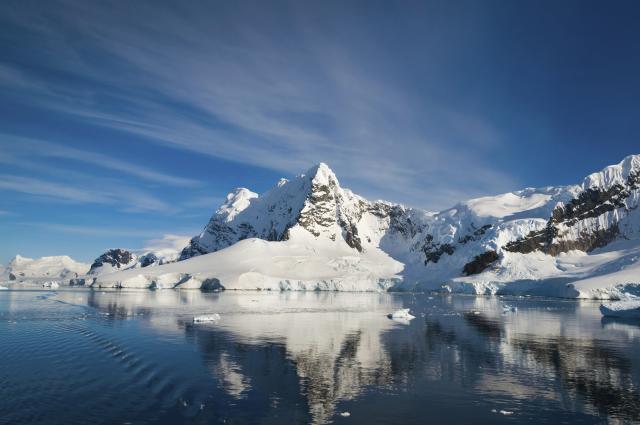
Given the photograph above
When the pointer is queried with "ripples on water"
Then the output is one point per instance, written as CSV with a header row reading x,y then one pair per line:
x,y
129,357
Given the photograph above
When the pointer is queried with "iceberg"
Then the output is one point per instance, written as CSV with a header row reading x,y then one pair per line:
x,y
402,314
206,318
623,309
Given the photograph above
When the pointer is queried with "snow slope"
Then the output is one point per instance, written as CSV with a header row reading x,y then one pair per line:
x,y
300,263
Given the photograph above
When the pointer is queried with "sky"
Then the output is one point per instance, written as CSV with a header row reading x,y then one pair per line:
x,y
125,124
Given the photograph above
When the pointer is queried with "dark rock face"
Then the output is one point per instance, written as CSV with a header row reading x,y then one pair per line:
x,y
78,281
400,221
192,250
480,263
320,214
539,240
116,257
148,259
212,284
323,209
543,240
350,234
12,276
475,235
589,204
433,251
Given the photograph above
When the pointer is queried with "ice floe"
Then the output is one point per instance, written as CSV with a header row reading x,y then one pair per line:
x,y
206,318
623,309
401,314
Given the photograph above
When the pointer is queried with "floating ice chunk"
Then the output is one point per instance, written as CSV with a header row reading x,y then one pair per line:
x,y
50,284
509,308
624,309
345,414
206,318
402,314
506,412
3,287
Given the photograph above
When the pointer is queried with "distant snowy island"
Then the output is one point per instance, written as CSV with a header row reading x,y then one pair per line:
x,y
309,233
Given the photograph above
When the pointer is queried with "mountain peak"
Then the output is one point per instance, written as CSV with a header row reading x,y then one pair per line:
x,y
621,174
321,174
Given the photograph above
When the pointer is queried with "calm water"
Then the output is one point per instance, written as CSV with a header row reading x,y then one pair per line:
x,y
120,357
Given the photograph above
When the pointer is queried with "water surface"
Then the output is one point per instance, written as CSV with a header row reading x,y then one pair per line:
x,y
134,357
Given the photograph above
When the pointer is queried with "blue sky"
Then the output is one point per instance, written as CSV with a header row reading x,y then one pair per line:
x,y
121,122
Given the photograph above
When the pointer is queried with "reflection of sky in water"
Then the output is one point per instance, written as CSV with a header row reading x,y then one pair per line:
x,y
306,357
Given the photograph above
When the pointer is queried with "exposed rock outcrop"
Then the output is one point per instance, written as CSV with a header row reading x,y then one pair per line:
x,y
588,221
114,258
480,263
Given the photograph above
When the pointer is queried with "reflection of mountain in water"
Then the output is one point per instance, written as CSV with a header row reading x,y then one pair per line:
x,y
331,341
311,351
335,348
532,354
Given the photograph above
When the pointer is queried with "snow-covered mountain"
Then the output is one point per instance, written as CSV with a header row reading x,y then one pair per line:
x,y
310,233
56,268
313,202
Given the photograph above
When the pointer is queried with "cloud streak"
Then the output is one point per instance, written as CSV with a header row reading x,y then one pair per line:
x,y
257,95
93,230
32,147
123,197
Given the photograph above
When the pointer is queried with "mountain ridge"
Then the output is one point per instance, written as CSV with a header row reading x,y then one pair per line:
x,y
481,245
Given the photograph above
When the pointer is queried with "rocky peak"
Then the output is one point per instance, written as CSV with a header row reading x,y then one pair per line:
x,y
313,201
321,174
330,210
618,174
116,258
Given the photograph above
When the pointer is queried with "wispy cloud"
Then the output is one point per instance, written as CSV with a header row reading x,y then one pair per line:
x,y
121,197
31,147
152,236
208,202
39,187
256,95
168,244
